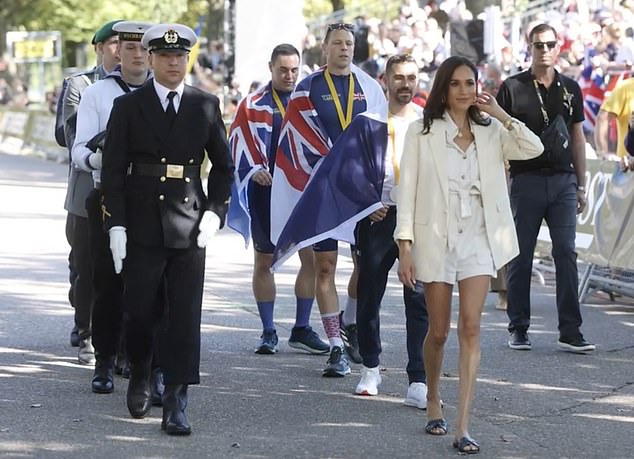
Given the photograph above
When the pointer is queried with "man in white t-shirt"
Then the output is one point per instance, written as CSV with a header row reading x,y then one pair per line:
x,y
377,251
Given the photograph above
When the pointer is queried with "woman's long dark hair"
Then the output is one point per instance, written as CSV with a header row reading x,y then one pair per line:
x,y
437,100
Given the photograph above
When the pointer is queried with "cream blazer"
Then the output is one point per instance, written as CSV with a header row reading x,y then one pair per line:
x,y
423,197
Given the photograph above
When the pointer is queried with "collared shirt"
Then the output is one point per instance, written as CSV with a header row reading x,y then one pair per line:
x,y
92,118
518,98
463,184
394,151
162,92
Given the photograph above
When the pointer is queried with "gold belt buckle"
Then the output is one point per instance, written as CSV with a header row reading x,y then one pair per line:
x,y
174,171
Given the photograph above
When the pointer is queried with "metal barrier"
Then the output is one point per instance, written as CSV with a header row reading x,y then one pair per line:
x,y
30,132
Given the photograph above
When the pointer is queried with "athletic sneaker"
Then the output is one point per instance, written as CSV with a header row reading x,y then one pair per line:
x,y
519,341
370,381
350,339
337,365
268,345
416,395
307,339
578,345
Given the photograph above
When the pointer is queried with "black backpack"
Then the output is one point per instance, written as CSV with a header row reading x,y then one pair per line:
x,y
59,116
60,138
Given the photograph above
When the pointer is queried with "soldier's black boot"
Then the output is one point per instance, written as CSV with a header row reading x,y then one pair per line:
x,y
174,403
139,396
157,387
102,380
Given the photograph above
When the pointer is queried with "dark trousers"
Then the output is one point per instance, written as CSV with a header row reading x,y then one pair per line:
x,y
376,254
149,273
107,313
553,198
80,271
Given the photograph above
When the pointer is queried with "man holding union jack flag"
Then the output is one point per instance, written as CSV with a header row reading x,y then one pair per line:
x,y
253,138
321,107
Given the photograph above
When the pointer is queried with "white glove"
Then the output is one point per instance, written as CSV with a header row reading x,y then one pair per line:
x,y
209,224
95,160
118,240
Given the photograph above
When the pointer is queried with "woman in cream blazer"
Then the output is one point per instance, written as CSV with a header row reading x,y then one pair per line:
x,y
454,221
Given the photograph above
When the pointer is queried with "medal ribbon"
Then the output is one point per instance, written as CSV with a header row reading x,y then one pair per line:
x,y
335,98
391,132
278,102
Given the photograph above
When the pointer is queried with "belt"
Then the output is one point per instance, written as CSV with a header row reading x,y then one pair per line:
x,y
165,171
547,171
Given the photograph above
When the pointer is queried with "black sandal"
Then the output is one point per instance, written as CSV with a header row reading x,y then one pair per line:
x,y
437,427
467,445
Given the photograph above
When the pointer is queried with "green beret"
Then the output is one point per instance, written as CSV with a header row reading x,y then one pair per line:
x,y
105,32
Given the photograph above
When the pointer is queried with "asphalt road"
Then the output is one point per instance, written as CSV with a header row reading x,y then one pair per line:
x,y
543,403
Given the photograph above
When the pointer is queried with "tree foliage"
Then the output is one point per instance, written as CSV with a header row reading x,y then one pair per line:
x,y
382,9
78,19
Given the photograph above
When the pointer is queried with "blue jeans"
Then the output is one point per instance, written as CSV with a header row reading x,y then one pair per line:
x,y
376,254
553,198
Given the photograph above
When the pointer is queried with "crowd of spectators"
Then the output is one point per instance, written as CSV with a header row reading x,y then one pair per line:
x,y
13,91
597,45
597,49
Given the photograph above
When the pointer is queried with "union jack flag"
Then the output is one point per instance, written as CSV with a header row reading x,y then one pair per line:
x,y
595,87
303,144
249,138
593,93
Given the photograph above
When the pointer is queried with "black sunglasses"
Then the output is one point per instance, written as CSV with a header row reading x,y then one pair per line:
x,y
542,44
340,26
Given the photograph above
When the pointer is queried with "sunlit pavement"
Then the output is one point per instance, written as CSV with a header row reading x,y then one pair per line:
x,y
542,403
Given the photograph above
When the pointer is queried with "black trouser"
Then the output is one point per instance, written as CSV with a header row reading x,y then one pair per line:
x,y
107,313
151,274
80,271
376,254
553,198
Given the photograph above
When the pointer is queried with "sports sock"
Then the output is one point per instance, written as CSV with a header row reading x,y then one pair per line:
x,y
331,327
265,308
302,311
350,312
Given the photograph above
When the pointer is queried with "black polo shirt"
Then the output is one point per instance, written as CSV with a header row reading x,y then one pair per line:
x,y
518,98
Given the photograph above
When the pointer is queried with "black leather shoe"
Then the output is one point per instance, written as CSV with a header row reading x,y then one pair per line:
x,y
139,398
102,380
157,387
74,337
121,367
174,403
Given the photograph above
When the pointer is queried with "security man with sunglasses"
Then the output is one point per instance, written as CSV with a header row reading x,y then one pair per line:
x,y
550,187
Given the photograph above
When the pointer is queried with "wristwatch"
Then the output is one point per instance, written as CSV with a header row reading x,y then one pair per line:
x,y
581,188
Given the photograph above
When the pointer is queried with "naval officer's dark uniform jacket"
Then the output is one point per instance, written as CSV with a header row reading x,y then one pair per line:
x,y
152,187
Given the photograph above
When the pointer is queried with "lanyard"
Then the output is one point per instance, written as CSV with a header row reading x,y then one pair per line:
x,y
391,132
541,100
335,98
278,102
